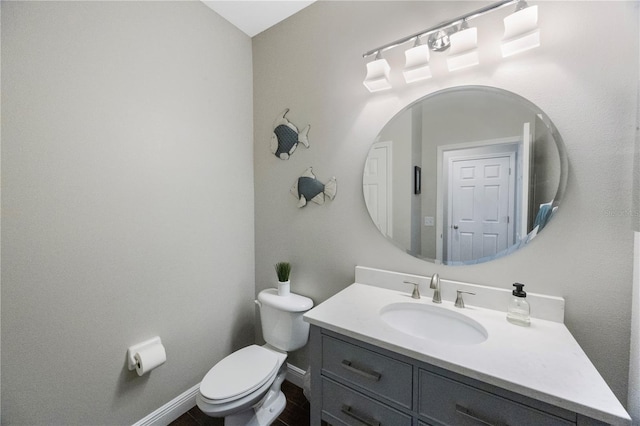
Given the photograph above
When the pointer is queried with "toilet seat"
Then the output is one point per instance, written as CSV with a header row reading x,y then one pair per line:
x,y
240,374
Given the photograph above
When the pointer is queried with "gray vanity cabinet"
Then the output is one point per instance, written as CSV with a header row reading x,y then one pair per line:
x,y
354,383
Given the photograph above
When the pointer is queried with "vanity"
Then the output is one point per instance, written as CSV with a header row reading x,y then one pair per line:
x,y
371,369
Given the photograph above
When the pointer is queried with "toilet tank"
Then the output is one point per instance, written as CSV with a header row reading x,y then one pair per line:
x,y
281,318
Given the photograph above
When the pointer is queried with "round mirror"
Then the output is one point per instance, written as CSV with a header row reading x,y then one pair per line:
x,y
465,175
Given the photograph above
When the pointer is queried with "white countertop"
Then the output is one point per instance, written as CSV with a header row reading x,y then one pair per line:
x,y
542,361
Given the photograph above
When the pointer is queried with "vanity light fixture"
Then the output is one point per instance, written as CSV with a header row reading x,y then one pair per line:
x,y
464,48
521,30
417,63
377,78
521,33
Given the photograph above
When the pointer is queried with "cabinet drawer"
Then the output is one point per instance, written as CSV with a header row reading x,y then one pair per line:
x,y
341,405
368,370
446,402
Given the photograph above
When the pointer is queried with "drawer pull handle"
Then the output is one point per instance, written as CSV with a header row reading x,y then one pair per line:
x,y
371,375
359,417
463,411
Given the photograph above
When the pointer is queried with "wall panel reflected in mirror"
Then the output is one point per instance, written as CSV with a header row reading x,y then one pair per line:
x,y
490,167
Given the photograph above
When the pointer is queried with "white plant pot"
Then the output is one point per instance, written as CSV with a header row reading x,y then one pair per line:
x,y
284,288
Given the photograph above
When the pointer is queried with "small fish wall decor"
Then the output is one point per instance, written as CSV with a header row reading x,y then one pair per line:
x,y
307,187
286,137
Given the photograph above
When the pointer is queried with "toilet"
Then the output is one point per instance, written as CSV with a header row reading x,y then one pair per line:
x,y
244,387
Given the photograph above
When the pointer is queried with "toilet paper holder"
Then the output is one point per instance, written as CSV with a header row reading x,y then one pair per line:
x,y
131,352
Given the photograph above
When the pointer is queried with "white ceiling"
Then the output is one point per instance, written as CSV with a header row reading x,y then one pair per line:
x,y
255,16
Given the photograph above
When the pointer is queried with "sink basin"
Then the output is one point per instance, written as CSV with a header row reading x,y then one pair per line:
x,y
434,323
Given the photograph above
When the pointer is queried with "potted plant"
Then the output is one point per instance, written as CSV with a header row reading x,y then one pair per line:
x,y
283,270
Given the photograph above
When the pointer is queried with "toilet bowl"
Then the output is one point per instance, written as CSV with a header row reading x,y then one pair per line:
x,y
244,387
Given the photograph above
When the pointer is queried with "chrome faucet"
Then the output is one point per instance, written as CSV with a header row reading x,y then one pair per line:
x,y
435,285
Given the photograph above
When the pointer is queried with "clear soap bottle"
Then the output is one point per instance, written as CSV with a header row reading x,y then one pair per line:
x,y
518,310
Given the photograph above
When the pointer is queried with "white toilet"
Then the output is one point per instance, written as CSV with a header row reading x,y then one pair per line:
x,y
244,387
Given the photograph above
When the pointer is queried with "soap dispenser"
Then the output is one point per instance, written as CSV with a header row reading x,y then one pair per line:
x,y
518,309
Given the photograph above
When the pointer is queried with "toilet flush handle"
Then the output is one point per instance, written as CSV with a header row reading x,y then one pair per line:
x,y
258,303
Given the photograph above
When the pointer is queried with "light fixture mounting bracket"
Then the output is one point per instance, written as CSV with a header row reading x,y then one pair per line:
x,y
439,41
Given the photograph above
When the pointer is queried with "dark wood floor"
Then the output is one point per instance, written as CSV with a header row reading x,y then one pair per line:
x,y
296,413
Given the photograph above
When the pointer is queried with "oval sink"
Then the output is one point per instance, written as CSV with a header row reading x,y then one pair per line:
x,y
433,322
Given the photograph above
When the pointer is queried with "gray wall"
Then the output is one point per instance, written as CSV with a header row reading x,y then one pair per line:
x,y
312,64
127,194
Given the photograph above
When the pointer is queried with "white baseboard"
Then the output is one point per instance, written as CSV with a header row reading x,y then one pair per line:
x,y
172,409
187,400
295,375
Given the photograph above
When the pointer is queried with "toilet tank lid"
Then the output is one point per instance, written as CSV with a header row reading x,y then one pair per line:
x,y
290,303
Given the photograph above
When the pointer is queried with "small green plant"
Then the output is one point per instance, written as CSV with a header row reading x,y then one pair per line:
x,y
283,269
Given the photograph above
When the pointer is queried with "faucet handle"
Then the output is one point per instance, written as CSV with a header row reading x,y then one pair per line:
x,y
459,301
416,291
